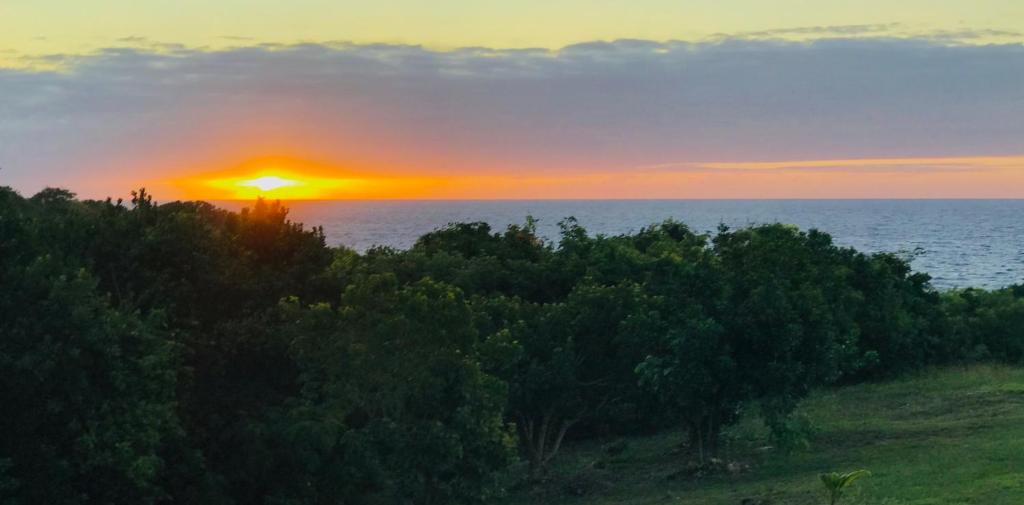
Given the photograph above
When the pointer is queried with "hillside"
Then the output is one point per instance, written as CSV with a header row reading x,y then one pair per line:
x,y
946,436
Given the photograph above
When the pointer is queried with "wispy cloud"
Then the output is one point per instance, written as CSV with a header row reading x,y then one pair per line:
x,y
898,31
820,31
855,165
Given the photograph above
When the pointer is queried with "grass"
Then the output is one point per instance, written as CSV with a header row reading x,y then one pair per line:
x,y
943,437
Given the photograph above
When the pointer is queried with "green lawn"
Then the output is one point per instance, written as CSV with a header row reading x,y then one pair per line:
x,y
947,436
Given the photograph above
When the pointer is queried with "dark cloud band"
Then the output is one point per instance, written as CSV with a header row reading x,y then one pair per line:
x,y
593,106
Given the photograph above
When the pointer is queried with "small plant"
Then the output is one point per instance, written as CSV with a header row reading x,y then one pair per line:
x,y
835,483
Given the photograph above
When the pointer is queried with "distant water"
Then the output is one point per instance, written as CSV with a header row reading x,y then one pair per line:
x,y
961,242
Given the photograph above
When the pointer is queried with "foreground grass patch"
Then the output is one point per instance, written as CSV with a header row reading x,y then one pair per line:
x,y
949,436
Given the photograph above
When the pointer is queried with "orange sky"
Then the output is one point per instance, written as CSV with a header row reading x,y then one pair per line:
x,y
960,177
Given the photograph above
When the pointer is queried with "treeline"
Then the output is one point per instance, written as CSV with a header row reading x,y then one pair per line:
x,y
182,353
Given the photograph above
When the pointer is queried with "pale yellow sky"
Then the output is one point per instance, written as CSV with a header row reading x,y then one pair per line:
x,y
34,27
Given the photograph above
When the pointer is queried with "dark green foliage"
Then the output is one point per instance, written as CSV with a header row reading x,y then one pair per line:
x,y
392,394
182,353
246,418
898,317
567,363
88,390
782,312
985,324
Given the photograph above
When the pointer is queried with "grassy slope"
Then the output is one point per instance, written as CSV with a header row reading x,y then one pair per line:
x,y
944,437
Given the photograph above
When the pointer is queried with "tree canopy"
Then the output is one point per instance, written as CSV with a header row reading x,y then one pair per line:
x,y
177,352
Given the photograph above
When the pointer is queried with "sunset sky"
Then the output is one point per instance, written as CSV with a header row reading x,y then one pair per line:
x,y
525,99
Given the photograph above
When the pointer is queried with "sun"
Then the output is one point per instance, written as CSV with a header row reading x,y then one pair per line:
x,y
268,183
281,184
281,178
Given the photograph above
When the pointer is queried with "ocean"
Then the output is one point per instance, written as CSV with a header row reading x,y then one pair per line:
x,y
960,243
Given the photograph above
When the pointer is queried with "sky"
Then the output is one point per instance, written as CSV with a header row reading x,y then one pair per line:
x,y
525,99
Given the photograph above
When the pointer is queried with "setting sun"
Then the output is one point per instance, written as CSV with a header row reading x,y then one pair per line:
x,y
278,185
286,178
269,183
278,178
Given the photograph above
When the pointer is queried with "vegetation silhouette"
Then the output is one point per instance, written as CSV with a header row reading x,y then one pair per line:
x,y
177,352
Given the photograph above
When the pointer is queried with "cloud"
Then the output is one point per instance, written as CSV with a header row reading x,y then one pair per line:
x,y
970,35
135,113
898,31
820,31
925,165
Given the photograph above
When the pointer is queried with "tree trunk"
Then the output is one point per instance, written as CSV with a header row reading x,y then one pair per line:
x,y
542,440
704,433
695,430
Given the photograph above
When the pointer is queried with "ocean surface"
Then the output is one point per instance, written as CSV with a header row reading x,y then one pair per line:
x,y
960,243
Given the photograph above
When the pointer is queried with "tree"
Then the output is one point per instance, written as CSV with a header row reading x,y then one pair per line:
x,y
694,377
566,363
479,262
985,324
88,390
897,316
770,324
786,313
210,277
394,405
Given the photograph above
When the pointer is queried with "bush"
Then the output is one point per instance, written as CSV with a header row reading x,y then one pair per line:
x,y
190,354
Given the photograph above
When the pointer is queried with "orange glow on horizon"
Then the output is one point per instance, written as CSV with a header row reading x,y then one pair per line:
x,y
275,178
275,185
952,177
